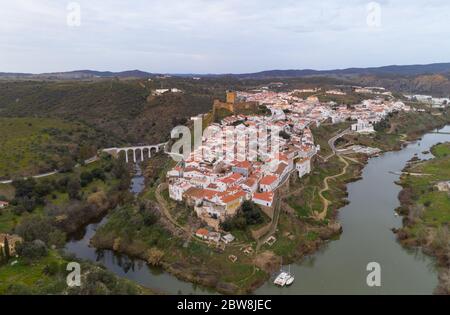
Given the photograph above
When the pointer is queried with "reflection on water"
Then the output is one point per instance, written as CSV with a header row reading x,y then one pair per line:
x,y
339,267
123,266
367,222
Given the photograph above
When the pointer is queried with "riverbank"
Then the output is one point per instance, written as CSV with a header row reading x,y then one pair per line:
x,y
47,275
426,210
298,235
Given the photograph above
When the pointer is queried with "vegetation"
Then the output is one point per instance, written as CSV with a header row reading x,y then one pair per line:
x,y
401,126
43,271
426,210
249,214
31,146
62,203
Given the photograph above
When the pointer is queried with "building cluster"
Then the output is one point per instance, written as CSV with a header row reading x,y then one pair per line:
x,y
247,157
437,102
376,90
158,92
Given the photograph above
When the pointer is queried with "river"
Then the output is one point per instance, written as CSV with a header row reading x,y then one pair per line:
x,y
339,267
123,266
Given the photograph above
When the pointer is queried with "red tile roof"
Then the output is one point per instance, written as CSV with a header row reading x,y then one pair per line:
x,y
268,180
203,232
232,197
231,179
265,196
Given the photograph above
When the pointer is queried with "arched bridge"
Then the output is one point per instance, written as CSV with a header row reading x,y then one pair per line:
x,y
142,150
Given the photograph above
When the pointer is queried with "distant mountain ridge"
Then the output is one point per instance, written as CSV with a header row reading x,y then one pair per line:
x,y
408,70
392,70
79,74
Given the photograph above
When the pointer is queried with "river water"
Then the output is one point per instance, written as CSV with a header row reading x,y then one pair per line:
x,y
338,268
123,266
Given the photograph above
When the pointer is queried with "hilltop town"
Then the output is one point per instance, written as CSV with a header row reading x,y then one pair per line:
x,y
247,157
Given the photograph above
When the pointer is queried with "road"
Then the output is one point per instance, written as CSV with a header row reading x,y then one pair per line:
x,y
88,161
333,140
322,215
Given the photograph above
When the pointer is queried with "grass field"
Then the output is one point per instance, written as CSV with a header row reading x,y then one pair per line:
x,y
36,145
435,204
32,276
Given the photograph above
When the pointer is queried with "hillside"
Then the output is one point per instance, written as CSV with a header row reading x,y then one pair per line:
x,y
30,146
404,70
122,110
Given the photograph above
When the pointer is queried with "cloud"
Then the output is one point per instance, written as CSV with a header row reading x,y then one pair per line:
x,y
219,36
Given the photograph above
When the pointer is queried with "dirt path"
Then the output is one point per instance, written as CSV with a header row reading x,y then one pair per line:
x,y
273,226
322,215
165,209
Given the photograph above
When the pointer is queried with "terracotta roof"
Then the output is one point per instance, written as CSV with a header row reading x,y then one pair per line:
x,y
232,197
231,179
268,180
280,169
250,181
199,193
203,232
265,196
243,164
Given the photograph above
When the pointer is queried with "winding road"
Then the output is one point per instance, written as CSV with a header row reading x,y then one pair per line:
x,y
323,214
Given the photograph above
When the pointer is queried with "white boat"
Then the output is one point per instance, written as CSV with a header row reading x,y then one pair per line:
x,y
281,279
284,278
290,280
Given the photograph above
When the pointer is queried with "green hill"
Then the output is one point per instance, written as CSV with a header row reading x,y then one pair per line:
x,y
36,145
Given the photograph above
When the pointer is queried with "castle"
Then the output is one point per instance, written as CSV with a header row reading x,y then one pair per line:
x,y
234,104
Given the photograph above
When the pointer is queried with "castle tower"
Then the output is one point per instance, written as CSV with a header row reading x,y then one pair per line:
x,y
231,97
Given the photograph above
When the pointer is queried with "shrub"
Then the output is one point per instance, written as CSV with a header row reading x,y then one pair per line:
x,y
32,250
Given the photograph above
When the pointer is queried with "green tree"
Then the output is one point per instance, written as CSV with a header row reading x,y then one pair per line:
x,y
73,188
6,249
2,256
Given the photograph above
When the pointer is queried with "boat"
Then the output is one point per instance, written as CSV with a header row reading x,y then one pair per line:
x,y
290,280
291,277
281,279
284,278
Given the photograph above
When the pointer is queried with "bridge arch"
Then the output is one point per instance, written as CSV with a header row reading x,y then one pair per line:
x,y
138,152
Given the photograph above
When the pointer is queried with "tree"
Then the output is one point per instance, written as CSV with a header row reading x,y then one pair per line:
x,y
24,187
73,188
32,250
57,238
66,164
86,178
34,228
2,256
98,173
6,249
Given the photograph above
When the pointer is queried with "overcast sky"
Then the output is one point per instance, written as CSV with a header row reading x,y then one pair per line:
x,y
220,36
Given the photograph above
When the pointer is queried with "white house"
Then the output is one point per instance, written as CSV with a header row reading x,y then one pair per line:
x,y
268,183
263,199
303,167
177,189
363,126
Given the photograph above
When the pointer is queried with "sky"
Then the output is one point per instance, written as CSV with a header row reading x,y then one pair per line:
x,y
220,36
